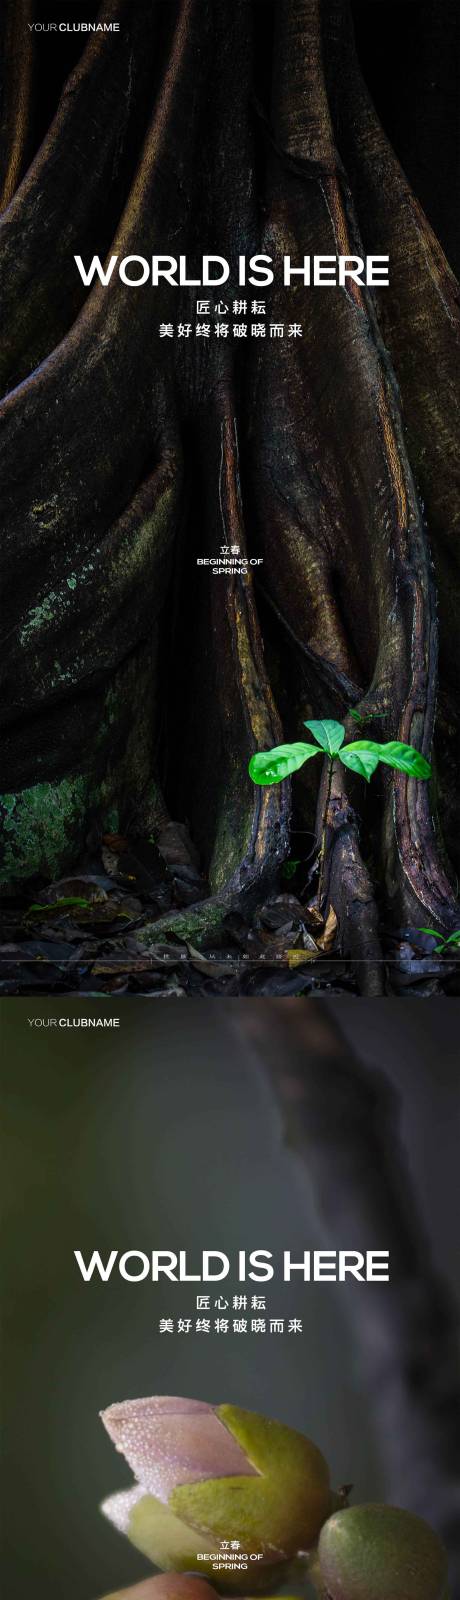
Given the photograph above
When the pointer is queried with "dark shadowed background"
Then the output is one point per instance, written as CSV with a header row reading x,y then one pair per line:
x,y
169,1134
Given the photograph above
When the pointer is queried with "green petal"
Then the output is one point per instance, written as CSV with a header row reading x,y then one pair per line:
x,y
165,1540
174,1546
276,1513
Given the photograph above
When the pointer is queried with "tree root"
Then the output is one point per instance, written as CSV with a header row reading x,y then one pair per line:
x,y
125,458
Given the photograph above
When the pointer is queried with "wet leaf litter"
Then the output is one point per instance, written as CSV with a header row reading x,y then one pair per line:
x,y
83,934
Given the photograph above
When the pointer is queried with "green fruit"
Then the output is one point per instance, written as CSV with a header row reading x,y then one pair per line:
x,y
376,1552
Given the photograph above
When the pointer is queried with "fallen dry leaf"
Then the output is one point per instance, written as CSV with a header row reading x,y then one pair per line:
x,y
176,846
297,958
327,938
210,967
313,916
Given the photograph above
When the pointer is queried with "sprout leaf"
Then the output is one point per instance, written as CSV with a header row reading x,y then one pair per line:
x,y
271,766
330,735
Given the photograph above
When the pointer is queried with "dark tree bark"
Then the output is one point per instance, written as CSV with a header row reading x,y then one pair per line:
x,y
132,687
342,1123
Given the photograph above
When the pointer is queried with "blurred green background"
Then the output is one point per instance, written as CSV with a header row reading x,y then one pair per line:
x,y
165,1135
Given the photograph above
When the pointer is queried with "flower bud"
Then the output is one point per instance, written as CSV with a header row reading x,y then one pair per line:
x,y
211,1473
375,1552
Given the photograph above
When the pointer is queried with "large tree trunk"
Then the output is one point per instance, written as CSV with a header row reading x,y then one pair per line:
x,y
134,685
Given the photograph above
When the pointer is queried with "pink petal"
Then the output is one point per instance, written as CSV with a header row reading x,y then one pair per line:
x,y
118,1507
168,1442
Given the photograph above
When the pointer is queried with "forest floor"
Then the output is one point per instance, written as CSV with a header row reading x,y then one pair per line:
x,y
86,935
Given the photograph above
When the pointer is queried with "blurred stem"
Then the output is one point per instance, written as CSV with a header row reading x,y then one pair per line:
x,y
314,1575
310,1562
302,1577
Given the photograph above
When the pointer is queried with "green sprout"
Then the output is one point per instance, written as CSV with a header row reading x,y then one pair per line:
x,y
364,716
38,908
362,756
290,867
442,940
